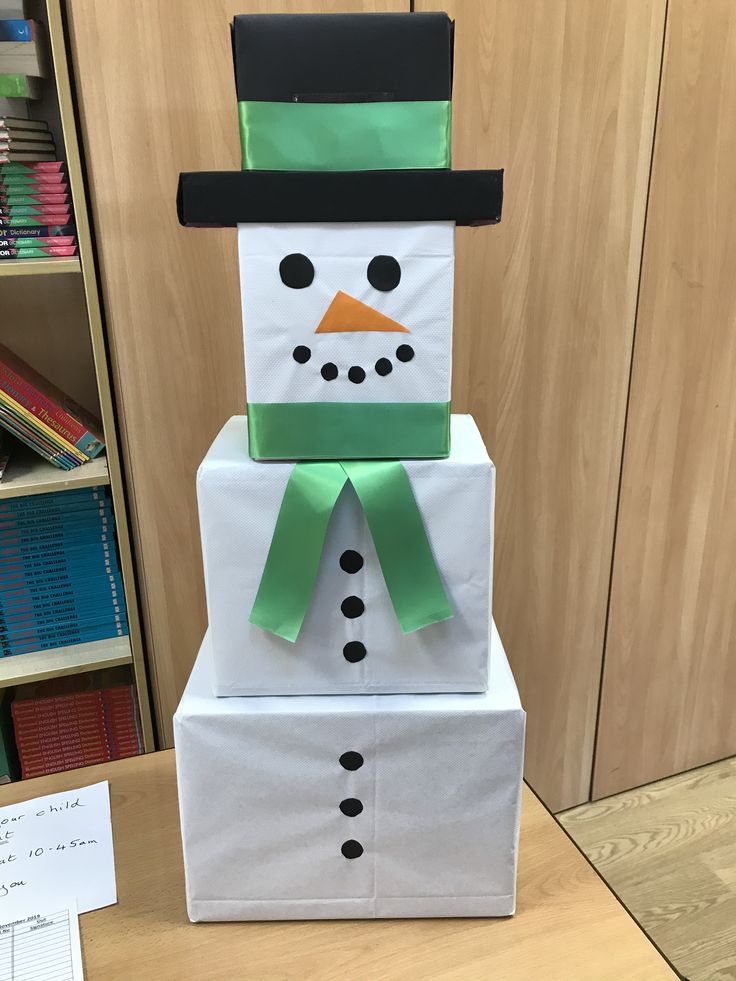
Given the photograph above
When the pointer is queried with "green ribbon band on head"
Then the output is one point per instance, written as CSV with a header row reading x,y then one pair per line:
x,y
345,136
348,430
395,523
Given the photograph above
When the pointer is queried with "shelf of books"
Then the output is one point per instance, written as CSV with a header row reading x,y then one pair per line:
x,y
73,680
39,267
60,661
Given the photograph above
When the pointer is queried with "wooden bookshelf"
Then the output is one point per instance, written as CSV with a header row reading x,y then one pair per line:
x,y
57,327
40,267
22,669
27,473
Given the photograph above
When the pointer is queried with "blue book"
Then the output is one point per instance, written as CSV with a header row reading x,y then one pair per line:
x,y
100,516
69,566
79,636
78,588
17,30
58,586
68,569
57,503
61,540
80,593
27,629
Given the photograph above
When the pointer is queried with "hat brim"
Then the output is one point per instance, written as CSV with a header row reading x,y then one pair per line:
x,y
224,199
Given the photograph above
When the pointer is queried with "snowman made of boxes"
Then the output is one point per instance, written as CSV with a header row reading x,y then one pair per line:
x,y
347,523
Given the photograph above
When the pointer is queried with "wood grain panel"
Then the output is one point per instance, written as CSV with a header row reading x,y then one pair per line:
x,y
670,671
156,94
562,94
45,323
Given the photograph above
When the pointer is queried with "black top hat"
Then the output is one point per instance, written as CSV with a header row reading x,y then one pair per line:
x,y
343,117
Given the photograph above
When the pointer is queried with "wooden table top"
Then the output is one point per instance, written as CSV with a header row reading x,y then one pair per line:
x,y
569,926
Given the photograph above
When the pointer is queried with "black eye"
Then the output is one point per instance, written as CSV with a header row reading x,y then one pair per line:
x,y
384,273
296,271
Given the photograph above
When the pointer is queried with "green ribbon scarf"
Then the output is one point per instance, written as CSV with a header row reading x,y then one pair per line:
x,y
348,430
395,523
345,136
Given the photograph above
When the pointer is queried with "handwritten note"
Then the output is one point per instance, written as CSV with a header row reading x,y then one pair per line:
x,y
38,946
58,845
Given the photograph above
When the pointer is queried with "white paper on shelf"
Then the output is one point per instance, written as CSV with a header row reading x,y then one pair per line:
x,y
260,786
239,501
61,842
277,319
40,941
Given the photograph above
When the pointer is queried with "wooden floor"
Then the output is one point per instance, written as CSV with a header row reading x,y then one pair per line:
x,y
668,850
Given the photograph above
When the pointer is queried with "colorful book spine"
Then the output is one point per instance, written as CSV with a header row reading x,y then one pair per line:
x,y
10,211
32,168
63,568
28,183
33,221
58,241
40,252
80,497
60,197
34,427
64,638
8,421
24,386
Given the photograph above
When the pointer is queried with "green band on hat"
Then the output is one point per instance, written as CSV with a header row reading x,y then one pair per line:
x,y
345,136
348,430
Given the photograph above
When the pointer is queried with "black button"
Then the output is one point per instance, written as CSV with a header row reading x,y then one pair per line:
x,y
356,374
384,366
351,807
351,760
296,271
301,354
354,651
329,371
351,561
352,607
352,849
404,352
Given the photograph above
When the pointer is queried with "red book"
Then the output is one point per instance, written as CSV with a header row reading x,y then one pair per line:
x,y
57,195
15,183
49,404
31,167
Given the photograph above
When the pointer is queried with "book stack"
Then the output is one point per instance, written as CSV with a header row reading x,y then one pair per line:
x,y
60,580
43,417
25,140
63,732
8,752
36,218
24,59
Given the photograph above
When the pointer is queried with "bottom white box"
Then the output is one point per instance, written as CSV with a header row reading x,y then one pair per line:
x,y
349,806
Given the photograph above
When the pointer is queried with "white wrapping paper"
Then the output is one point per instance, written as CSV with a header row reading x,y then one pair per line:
x,y
276,318
239,501
261,783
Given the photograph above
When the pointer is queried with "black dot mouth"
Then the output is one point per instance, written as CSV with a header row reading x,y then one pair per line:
x,y
356,373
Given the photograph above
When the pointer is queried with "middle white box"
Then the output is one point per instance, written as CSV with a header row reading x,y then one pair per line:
x,y
239,501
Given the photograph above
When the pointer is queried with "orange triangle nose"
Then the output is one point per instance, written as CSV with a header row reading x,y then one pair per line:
x,y
345,313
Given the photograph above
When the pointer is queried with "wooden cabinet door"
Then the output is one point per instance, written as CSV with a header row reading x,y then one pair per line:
x,y
670,666
562,93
